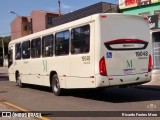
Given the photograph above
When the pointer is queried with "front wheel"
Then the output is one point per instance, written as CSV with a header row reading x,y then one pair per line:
x,y
56,85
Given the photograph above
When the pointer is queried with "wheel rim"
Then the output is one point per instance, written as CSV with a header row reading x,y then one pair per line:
x,y
19,81
56,85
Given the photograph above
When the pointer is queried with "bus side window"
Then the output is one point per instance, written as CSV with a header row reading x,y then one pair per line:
x,y
47,46
26,50
36,48
10,57
80,40
18,51
62,43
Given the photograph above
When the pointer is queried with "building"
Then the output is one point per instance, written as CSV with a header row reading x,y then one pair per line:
x,y
146,8
20,26
37,21
42,20
150,9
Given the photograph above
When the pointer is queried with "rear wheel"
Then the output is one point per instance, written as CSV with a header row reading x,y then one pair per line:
x,y
18,80
56,85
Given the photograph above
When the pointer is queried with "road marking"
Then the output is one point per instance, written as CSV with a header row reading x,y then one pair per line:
x,y
14,106
21,109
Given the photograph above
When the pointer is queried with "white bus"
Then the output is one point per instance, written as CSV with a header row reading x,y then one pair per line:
x,y
107,49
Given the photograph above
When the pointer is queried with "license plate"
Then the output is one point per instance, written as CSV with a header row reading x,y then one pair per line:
x,y
128,71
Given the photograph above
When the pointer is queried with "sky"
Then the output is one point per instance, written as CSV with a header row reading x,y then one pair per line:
x,y
25,7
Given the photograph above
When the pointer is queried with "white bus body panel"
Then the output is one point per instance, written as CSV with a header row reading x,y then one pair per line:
x,y
73,72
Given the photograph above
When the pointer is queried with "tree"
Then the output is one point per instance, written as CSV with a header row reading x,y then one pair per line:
x,y
6,41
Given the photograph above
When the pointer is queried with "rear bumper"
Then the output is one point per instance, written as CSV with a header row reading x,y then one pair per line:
x,y
102,81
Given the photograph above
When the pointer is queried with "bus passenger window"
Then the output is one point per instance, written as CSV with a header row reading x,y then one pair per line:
x,y
36,48
62,43
10,57
47,46
18,51
80,40
26,50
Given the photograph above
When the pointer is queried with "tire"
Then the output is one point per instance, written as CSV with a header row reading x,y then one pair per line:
x,y
101,89
19,82
55,85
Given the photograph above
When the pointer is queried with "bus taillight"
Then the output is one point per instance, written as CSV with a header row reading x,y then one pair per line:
x,y
123,41
150,63
103,16
102,67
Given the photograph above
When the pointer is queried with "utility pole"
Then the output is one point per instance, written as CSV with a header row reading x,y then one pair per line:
x,y
59,7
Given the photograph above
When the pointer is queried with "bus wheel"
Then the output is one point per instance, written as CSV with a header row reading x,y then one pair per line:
x,y
19,82
56,85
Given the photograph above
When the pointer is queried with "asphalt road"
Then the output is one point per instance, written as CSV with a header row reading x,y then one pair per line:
x,y
35,98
